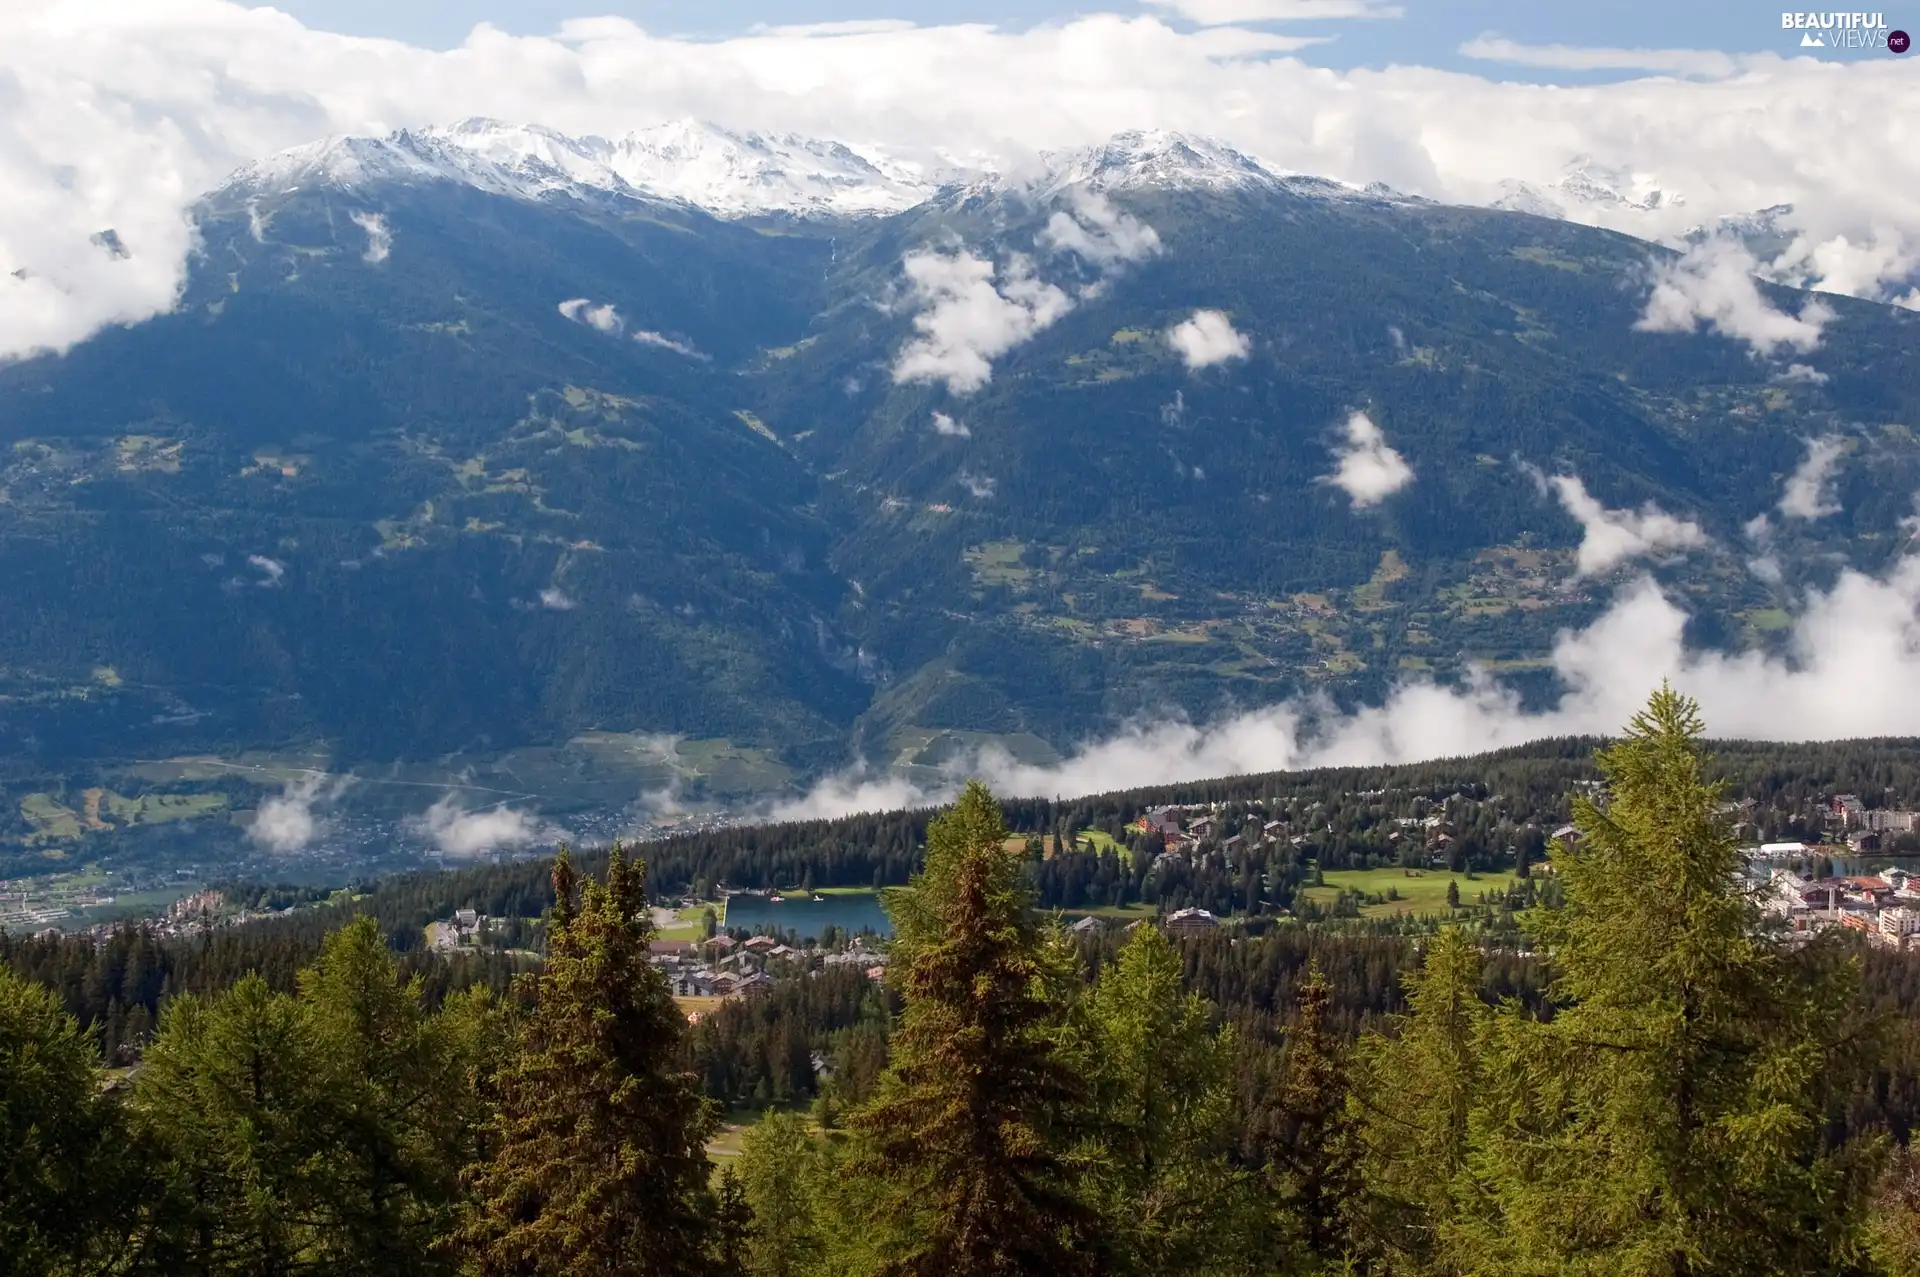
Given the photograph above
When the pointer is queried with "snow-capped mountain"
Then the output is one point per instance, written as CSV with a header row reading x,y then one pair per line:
x,y
1585,187
728,174
1155,159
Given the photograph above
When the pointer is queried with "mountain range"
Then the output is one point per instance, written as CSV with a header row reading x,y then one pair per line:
x,y
479,438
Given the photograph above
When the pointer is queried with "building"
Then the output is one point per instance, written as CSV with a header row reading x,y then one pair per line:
x,y
1885,821
1191,922
1899,922
1086,926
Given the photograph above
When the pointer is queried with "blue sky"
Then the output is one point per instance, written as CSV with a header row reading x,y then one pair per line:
x,y
1428,33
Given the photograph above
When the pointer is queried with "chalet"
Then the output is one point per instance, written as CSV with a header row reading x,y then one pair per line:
x,y
671,948
1202,828
760,944
1086,926
1191,922
754,986
721,945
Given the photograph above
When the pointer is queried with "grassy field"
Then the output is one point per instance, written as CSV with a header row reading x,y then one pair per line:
x,y
686,925
1115,913
698,1006
1421,890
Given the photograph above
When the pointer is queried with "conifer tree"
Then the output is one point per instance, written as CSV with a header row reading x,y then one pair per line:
x,y
232,1095
962,1153
1413,1094
777,1173
1162,1102
1669,1118
1313,1151
732,1222
396,1112
599,1160
50,1131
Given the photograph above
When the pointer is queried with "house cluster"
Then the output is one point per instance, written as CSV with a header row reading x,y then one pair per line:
x,y
1886,906
1190,832
1870,829
723,966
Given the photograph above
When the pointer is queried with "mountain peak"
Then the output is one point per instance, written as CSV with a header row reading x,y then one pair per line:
x,y
1156,159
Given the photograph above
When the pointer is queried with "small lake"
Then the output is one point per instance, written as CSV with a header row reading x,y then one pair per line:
x,y
852,913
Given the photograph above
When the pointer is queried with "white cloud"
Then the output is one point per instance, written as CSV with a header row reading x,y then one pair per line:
x,y
555,599
1805,374
971,314
286,823
461,833
1809,492
1566,57
945,425
1208,338
1217,13
1852,669
1713,282
582,311
119,114
273,568
379,237
1099,233
678,347
980,485
1370,470
1611,537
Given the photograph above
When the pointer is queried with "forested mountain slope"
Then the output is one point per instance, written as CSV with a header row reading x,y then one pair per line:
x,y
420,469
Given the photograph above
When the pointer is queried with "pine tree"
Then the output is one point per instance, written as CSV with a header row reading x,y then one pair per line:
x,y
599,1161
962,1153
1313,1150
1413,1093
1669,1118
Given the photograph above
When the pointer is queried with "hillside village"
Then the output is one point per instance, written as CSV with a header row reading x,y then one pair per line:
x,y
1884,906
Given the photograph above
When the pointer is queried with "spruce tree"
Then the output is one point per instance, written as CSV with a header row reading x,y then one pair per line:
x,y
1669,1118
599,1160
962,1154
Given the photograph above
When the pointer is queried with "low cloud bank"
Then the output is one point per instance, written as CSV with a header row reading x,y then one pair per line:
x,y
289,822
1851,669
971,313
582,311
379,237
463,834
1714,283
1809,491
1611,537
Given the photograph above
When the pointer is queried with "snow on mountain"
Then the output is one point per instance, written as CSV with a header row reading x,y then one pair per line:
x,y
732,174
1155,159
728,174
1585,187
